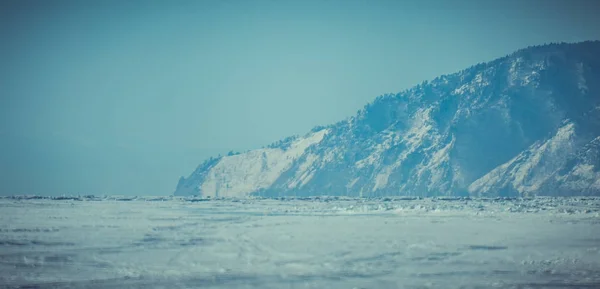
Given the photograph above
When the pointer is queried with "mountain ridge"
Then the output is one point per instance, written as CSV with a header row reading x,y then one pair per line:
x,y
473,132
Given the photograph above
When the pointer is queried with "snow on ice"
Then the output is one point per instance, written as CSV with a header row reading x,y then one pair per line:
x,y
321,242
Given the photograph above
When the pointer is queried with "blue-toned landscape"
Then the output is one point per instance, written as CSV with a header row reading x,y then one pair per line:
x,y
339,144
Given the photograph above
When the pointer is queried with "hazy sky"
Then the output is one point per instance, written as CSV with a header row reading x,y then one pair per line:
x,y
123,97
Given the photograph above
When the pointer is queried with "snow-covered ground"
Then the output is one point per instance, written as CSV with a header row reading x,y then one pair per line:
x,y
324,242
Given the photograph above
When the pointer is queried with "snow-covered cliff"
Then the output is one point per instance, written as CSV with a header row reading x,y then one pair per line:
x,y
525,124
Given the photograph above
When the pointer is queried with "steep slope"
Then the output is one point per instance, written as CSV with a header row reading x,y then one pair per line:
x,y
524,124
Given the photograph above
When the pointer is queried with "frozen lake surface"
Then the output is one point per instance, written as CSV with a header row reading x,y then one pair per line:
x,y
170,242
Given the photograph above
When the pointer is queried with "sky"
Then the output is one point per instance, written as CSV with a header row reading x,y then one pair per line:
x,y
124,97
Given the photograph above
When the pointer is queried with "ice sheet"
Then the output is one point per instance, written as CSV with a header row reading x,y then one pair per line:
x,y
327,242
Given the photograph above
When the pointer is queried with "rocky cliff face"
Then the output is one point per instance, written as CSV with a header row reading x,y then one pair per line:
x,y
525,124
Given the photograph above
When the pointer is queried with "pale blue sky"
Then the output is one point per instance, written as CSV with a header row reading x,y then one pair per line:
x,y
123,97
